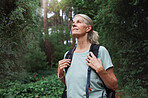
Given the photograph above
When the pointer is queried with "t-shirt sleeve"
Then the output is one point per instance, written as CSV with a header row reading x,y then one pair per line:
x,y
105,57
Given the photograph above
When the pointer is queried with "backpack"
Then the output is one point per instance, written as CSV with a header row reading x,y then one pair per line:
x,y
94,48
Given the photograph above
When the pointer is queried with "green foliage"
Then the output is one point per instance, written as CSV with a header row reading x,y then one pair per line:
x,y
57,38
20,37
35,59
35,86
86,7
122,27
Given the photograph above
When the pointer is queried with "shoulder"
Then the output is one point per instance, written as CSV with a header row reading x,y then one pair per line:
x,y
102,49
70,52
105,57
103,52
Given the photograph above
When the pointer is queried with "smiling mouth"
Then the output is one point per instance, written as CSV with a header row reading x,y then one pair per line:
x,y
75,29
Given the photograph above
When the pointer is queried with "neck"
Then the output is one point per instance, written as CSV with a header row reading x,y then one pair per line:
x,y
83,44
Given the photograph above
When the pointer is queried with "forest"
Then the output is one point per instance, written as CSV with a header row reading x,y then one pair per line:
x,y
35,34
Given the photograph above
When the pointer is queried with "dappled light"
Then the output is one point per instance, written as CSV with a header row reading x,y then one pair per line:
x,y
35,35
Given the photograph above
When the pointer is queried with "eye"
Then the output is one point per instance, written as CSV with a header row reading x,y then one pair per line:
x,y
79,21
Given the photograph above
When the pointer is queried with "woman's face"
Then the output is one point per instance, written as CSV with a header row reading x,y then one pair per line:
x,y
79,27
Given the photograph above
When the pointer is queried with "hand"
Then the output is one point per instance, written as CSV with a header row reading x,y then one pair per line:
x,y
61,65
94,62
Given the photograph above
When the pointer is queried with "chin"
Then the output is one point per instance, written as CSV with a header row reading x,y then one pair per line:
x,y
75,34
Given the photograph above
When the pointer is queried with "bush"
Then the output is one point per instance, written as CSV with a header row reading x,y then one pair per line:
x,y
35,59
37,86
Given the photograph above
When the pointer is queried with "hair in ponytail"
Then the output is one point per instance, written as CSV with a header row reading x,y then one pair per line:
x,y
92,35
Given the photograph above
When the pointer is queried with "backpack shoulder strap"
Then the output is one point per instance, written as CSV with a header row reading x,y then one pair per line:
x,y
69,55
95,49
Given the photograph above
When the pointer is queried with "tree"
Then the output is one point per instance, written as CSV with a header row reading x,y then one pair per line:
x,y
20,37
59,25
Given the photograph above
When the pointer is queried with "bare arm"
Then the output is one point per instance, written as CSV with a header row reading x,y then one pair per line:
x,y
108,78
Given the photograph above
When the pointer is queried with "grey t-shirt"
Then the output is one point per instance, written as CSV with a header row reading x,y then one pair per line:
x,y
76,76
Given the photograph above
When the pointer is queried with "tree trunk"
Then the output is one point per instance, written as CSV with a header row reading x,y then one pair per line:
x,y
45,16
47,44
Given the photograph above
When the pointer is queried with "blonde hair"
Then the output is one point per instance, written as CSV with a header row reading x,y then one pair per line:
x,y
92,35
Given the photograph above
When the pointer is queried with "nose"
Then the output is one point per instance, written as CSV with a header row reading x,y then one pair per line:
x,y
73,24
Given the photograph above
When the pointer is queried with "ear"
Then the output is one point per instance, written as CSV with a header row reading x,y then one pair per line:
x,y
88,28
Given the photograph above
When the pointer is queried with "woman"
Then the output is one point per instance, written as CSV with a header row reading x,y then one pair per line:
x,y
76,77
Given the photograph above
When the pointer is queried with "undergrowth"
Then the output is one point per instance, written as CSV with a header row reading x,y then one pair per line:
x,y
43,84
